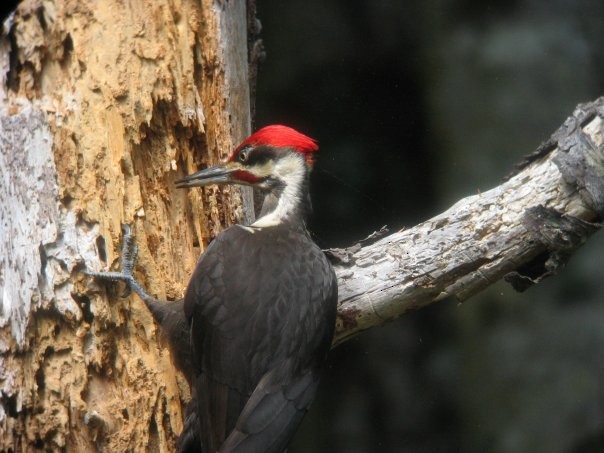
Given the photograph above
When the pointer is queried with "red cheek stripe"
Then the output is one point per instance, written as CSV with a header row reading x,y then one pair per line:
x,y
245,176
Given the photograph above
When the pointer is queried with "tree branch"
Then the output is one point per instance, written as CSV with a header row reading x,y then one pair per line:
x,y
523,230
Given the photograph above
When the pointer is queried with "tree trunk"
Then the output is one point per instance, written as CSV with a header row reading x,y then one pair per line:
x,y
104,105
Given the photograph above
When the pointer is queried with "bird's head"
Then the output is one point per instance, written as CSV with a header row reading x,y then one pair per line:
x,y
272,158
276,159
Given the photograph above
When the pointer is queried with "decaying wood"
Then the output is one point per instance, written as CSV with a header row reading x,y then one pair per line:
x,y
522,230
102,106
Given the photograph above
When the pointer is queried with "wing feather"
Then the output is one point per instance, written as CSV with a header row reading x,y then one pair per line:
x,y
262,310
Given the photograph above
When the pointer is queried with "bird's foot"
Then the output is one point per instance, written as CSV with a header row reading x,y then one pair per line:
x,y
129,254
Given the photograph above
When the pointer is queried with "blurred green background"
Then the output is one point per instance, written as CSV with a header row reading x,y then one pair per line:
x,y
415,105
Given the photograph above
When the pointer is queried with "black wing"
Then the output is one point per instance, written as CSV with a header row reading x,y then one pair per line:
x,y
262,311
273,412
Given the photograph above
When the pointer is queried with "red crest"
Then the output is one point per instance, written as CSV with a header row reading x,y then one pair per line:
x,y
280,136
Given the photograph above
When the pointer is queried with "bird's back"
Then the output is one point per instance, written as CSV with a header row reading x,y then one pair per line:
x,y
262,303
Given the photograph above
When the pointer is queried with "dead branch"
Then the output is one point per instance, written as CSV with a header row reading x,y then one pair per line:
x,y
522,231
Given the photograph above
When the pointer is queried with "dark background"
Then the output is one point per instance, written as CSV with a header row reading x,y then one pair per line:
x,y
415,105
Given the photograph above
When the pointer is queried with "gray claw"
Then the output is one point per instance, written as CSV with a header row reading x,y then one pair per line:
x,y
127,292
129,250
129,254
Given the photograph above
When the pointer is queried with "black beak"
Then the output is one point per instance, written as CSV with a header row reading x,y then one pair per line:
x,y
219,174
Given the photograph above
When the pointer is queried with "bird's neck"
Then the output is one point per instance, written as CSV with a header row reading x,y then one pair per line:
x,y
288,202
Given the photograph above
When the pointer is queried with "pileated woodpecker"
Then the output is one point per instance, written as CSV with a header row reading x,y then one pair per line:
x,y
261,304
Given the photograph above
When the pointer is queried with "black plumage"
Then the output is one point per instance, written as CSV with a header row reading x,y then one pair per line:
x,y
261,303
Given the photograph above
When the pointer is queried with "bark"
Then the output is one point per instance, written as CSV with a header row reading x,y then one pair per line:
x,y
104,105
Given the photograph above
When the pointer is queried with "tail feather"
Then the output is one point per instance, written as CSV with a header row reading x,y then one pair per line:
x,y
272,414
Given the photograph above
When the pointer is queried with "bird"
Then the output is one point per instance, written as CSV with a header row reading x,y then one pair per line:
x,y
257,320
261,303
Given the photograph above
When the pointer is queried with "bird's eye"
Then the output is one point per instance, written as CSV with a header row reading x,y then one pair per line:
x,y
244,154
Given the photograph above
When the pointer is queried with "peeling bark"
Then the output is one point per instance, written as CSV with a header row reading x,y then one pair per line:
x,y
103,106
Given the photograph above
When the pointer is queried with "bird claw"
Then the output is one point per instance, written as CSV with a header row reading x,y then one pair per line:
x,y
129,254
126,293
129,250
